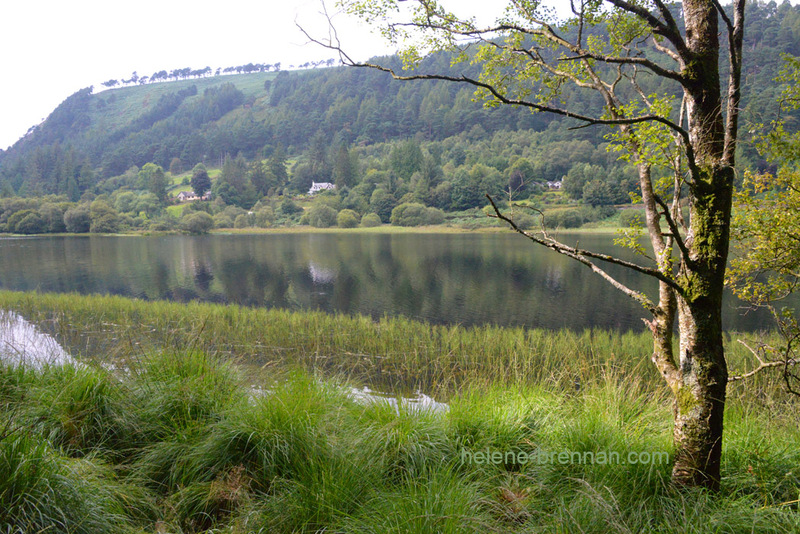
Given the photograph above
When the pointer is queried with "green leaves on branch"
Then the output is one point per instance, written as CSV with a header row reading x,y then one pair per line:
x,y
765,222
767,230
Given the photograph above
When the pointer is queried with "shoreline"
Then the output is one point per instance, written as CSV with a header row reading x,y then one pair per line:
x,y
384,229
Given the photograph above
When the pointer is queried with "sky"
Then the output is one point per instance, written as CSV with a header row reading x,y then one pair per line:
x,y
49,49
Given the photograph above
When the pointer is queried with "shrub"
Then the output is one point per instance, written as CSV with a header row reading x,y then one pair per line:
x,y
563,219
126,222
382,203
408,214
15,219
78,220
265,217
370,220
434,216
53,215
525,221
125,202
32,223
198,222
415,214
242,221
347,219
223,220
321,216
162,224
289,207
576,217
597,213
104,218
104,224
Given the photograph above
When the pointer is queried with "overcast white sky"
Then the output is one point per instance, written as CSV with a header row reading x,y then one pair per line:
x,y
51,48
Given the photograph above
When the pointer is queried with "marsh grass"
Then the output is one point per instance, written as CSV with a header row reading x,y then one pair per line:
x,y
174,437
391,354
397,355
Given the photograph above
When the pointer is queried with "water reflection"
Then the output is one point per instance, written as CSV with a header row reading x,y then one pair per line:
x,y
419,402
22,343
447,278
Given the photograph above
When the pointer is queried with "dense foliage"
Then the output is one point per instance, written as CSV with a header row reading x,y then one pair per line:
x,y
91,138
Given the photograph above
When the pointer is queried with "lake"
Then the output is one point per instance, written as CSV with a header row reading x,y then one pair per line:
x,y
463,279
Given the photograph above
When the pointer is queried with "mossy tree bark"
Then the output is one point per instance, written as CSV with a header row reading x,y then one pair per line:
x,y
702,371
702,374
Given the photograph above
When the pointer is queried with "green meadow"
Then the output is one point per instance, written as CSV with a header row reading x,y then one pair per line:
x,y
211,418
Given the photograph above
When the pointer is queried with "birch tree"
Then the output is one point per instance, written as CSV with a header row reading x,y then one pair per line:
x,y
527,58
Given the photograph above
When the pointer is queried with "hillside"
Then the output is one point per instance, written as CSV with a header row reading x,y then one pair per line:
x,y
94,136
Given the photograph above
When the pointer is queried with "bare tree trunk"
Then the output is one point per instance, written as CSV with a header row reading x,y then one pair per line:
x,y
700,399
703,372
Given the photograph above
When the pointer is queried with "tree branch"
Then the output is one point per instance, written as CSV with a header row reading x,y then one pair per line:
x,y
762,364
664,50
641,61
735,43
673,227
667,15
517,102
583,257
659,27
724,16
546,32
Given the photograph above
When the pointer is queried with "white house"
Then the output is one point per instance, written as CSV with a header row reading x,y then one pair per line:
x,y
186,196
320,186
554,185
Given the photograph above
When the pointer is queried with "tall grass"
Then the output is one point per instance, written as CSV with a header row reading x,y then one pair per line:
x,y
391,354
174,438
305,457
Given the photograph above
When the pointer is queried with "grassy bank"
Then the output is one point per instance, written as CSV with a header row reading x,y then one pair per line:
x,y
176,439
393,354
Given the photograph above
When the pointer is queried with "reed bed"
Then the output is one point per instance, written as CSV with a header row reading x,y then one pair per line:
x,y
391,354
174,438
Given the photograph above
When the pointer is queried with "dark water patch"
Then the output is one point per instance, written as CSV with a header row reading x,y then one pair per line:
x,y
467,279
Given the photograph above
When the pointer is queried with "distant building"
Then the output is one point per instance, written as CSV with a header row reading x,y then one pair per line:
x,y
186,196
554,185
320,186
189,196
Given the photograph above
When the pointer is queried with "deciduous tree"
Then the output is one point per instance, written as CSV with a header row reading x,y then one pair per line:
x,y
152,178
527,59
201,183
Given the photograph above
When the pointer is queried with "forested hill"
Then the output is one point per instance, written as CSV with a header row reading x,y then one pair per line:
x,y
93,136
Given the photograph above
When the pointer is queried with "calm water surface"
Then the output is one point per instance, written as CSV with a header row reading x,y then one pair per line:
x,y
467,279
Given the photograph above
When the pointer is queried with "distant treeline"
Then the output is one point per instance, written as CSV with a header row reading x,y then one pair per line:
x,y
187,73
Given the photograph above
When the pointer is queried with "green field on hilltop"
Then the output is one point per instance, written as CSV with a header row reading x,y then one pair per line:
x,y
116,108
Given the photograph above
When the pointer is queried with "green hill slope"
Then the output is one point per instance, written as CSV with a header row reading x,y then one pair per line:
x,y
94,136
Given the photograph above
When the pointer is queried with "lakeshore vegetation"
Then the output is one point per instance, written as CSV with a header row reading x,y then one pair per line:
x,y
209,418
212,418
